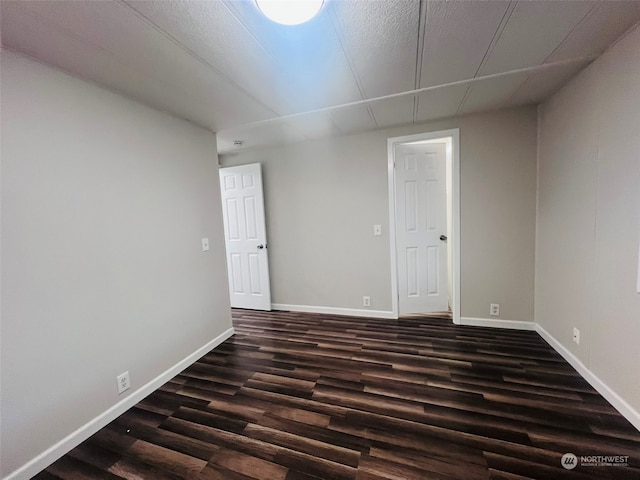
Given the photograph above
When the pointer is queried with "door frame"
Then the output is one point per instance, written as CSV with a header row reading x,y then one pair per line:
x,y
453,193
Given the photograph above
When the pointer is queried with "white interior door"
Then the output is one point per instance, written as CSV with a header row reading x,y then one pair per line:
x,y
421,227
245,236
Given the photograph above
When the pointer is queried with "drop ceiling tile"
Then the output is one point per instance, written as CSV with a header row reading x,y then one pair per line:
x,y
211,31
115,32
256,136
604,24
314,124
457,36
352,119
532,33
393,111
492,93
381,40
310,53
69,54
440,103
113,29
541,85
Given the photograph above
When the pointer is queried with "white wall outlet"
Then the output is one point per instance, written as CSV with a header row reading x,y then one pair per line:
x,y
366,301
576,336
377,230
123,382
205,244
494,309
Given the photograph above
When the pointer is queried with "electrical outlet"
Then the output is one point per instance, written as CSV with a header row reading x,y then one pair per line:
x,y
123,382
576,336
366,301
494,309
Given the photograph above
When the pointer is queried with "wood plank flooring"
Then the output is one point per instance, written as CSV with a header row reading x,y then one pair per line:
x,y
297,396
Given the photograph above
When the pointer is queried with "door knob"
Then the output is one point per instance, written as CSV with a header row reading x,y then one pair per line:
x,y
260,247
443,238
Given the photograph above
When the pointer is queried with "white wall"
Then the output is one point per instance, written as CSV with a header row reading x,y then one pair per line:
x,y
323,197
104,202
589,218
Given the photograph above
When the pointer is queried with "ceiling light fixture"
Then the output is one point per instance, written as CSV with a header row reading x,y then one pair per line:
x,y
290,12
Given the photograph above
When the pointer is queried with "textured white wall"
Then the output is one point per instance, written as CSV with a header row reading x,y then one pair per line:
x,y
589,217
104,202
323,197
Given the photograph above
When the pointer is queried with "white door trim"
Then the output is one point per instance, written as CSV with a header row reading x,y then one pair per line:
x,y
454,158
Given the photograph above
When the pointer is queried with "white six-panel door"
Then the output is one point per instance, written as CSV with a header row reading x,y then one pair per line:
x,y
421,227
245,236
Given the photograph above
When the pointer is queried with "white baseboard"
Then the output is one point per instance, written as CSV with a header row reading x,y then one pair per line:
x,y
626,410
352,312
74,439
496,323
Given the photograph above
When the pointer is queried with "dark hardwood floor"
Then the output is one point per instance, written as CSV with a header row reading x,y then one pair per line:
x,y
302,396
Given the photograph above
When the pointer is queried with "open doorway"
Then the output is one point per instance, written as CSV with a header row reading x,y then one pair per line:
x,y
424,210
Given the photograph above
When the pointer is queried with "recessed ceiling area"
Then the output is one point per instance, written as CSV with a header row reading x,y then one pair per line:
x,y
358,65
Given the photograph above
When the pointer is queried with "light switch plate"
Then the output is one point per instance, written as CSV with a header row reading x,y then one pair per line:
x,y
205,244
377,230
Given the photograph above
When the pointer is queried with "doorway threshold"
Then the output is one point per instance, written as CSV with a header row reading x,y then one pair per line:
x,y
444,315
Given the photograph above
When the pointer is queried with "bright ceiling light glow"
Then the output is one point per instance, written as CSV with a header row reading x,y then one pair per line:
x,y
290,12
